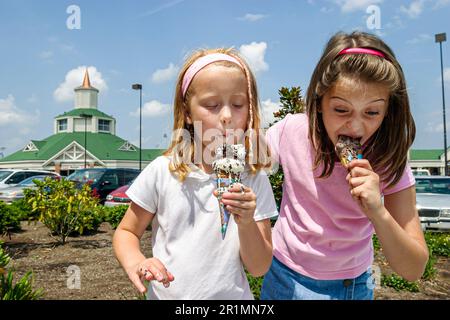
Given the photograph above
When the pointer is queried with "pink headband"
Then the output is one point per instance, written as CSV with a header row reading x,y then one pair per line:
x,y
202,62
363,51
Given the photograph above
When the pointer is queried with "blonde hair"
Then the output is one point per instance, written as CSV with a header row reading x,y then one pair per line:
x,y
397,129
182,148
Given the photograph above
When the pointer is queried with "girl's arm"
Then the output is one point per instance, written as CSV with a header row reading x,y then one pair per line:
x,y
401,236
255,237
396,222
126,244
256,246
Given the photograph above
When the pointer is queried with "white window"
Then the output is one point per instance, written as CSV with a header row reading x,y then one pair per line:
x,y
127,147
62,125
30,147
103,125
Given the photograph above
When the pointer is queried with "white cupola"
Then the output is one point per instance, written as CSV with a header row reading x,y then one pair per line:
x,y
86,96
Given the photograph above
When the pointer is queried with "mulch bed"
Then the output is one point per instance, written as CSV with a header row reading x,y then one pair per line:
x,y
103,278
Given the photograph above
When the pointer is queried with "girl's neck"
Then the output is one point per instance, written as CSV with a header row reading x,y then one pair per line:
x,y
207,168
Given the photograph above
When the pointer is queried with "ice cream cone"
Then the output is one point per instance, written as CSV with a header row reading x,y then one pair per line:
x,y
348,149
228,171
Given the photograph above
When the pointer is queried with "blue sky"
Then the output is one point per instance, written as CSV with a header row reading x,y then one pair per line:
x,y
126,42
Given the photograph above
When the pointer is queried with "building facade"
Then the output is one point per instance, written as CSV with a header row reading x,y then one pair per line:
x,y
431,159
83,137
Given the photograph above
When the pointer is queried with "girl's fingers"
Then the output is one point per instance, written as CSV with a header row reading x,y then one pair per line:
x,y
359,193
359,172
356,182
136,280
160,272
240,188
361,163
239,203
247,196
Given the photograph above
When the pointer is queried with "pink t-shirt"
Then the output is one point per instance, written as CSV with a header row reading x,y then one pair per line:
x,y
321,232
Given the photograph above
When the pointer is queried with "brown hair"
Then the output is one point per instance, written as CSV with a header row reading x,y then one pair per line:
x,y
397,129
181,149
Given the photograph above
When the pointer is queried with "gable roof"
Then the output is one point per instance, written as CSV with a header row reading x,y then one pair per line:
x,y
426,154
88,111
103,146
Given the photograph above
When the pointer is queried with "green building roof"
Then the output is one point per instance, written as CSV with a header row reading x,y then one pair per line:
x,y
88,111
430,154
103,146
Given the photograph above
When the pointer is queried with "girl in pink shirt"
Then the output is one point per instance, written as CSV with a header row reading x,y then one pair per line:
x,y
323,237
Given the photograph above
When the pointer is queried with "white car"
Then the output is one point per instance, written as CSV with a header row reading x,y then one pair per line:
x,y
8,195
11,177
433,202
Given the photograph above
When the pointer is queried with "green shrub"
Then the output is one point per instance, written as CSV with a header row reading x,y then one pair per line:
x,y
23,209
9,218
63,208
255,285
438,243
22,289
398,283
376,243
88,221
430,270
4,258
113,215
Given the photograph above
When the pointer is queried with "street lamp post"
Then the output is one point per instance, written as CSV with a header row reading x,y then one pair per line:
x,y
441,37
138,86
85,116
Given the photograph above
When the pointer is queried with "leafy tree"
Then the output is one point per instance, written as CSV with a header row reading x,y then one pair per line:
x,y
291,102
63,208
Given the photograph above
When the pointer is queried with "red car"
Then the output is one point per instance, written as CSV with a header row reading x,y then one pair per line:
x,y
118,197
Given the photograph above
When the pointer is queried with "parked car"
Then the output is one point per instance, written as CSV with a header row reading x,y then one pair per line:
x,y
103,180
421,172
11,177
118,197
433,202
11,194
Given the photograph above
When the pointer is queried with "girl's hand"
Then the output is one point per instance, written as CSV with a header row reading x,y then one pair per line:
x,y
149,269
241,202
365,187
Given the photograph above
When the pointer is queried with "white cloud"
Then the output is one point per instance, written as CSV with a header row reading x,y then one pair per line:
x,y
10,114
436,126
254,55
164,75
414,10
152,109
447,75
268,107
353,5
162,7
252,17
326,9
45,55
441,3
74,78
423,37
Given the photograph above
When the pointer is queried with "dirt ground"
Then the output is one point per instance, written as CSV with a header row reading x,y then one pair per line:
x,y
102,277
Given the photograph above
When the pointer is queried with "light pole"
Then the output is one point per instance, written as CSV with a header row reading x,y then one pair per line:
x,y
441,37
138,86
85,116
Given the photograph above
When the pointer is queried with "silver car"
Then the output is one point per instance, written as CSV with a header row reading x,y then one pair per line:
x,y
433,202
11,194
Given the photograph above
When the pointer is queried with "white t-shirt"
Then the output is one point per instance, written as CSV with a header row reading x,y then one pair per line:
x,y
186,233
